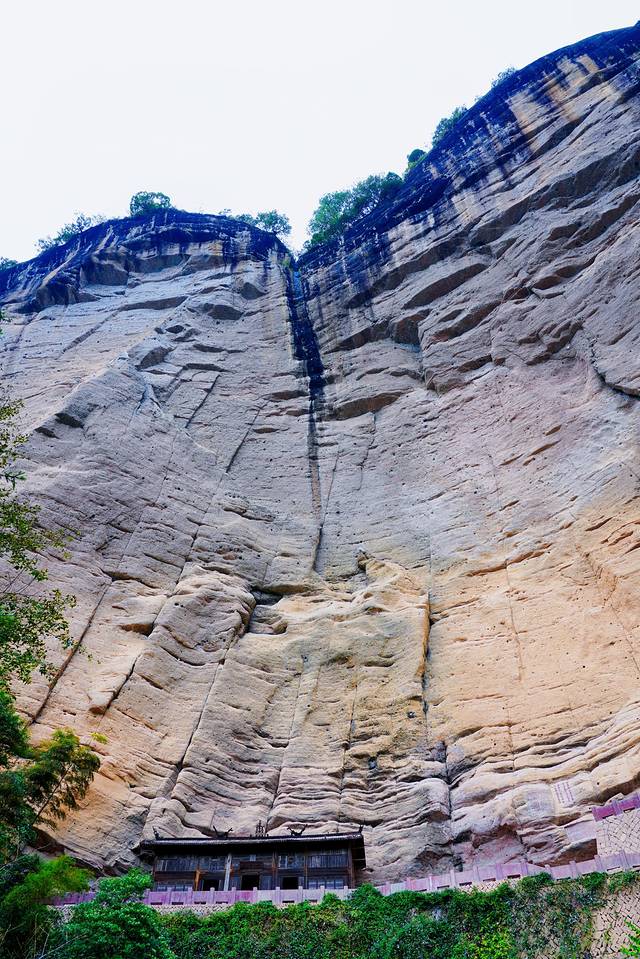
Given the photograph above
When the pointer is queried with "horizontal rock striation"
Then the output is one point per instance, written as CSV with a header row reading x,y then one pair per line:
x,y
358,536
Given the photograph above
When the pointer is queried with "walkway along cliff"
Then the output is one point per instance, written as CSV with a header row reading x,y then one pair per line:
x,y
359,535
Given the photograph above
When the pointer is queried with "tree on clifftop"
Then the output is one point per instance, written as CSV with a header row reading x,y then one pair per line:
x,y
446,124
336,211
269,220
273,222
68,232
144,202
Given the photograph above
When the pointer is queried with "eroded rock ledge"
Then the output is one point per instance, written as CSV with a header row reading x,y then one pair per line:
x,y
359,536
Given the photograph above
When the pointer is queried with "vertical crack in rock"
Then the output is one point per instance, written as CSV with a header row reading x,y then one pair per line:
x,y
317,556
233,456
199,405
71,653
424,679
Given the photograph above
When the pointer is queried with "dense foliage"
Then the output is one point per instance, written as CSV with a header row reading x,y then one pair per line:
x,y
633,948
69,231
336,211
115,924
270,220
535,917
30,616
503,75
414,157
145,202
446,124
28,925
40,782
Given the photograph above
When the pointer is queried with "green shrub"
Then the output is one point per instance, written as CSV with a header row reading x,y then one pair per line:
x,y
336,211
533,918
447,124
69,231
115,924
414,158
145,202
27,922
503,75
416,155
38,783
633,947
270,220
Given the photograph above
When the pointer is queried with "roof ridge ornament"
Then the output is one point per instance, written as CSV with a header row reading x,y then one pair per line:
x,y
296,832
221,833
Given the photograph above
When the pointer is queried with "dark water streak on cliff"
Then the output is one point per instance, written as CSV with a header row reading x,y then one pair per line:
x,y
307,351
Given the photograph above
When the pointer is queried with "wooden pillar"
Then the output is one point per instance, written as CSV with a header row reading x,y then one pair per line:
x,y
227,872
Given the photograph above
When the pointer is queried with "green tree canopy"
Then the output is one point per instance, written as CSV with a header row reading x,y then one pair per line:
x,y
336,211
270,220
273,222
503,75
446,124
116,924
68,232
30,617
37,783
415,156
145,202
26,920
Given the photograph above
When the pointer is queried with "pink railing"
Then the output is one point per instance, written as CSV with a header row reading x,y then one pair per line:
x,y
616,806
497,872
190,897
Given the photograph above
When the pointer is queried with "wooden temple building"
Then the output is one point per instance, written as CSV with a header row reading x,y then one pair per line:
x,y
256,862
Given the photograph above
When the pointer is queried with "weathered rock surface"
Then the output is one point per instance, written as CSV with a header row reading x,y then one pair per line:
x,y
359,539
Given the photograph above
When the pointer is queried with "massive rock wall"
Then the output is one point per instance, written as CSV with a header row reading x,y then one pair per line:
x,y
358,535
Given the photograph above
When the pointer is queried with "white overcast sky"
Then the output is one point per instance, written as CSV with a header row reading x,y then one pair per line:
x,y
250,105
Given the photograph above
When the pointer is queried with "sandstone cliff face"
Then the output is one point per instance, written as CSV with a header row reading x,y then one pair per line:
x,y
359,537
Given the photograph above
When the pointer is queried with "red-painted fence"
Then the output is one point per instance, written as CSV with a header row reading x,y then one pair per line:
x,y
446,880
